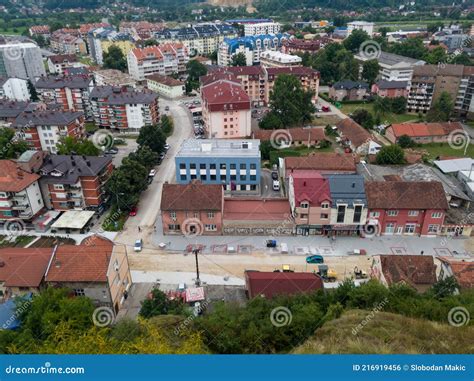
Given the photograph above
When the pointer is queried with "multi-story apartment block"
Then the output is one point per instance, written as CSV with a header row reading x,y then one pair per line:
x,y
163,59
59,63
124,108
192,209
259,28
9,110
232,164
15,89
226,110
20,194
296,45
271,58
21,60
112,77
365,26
101,39
140,30
43,129
66,43
74,181
349,203
198,39
71,92
250,46
310,202
40,30
392,66
309,79
406,207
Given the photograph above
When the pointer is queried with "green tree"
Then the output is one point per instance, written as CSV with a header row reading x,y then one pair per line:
x,y
384,30
195,70
399,105
145,156
335,63
153,137
442,109
151,42
159,304
69,145
239,59
270,121
405,141
33,93
462,59
290,102
411,47
392,154
114,59
434,27
355,39
364,118
435,56
167,124
10,148
370,70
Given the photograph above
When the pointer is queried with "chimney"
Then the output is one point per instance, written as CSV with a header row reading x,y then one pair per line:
x,y
88,163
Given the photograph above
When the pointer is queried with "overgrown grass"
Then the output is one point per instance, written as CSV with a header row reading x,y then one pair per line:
x,y
385,118
115,220
443,149
20,241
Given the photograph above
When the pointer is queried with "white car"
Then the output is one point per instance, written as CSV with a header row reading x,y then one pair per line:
x,y
138,245
152,173
276,185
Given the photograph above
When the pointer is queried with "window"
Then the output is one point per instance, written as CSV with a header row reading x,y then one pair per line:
x,y
202,166
233,166
253,177
412,213
374,214
324,205
242,166
341,212
79,292
304,204
182,166
58,187
433,228
172,214
173,227
193,177
357,213
233,177
210,227
203,177
436,215
392,213
212,166
253,166
223,178
196,214
223,166
183,177
192,166
213,177
324,216
390,227
243,177
210,214
410,228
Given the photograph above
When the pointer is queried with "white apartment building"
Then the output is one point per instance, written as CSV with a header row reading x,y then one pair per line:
x,y
21,60
270,58
365,26
165,59
15,89
252,29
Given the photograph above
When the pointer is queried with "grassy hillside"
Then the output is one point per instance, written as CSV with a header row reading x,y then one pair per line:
x,y
387,333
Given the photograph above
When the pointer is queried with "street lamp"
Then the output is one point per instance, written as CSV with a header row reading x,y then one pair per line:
x,y
196,252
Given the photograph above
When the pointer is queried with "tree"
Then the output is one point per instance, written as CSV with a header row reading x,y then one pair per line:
x,y
442,109
239,59
355,39
411,47
159,304
10,148
436,56
32,90
364,118
153,137
195,70
145,156
167,124
115,59
384,30
434,27
335,63
462,59
370,70
405,141
270,121
392,154
399,105
290,102
151,42
71,145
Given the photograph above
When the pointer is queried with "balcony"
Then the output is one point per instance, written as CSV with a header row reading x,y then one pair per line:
x,y
20,207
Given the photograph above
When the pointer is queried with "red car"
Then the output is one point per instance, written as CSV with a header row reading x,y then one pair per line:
x,y
133,212
325,109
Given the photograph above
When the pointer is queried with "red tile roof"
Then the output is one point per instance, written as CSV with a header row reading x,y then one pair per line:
x,y
13,178
156,51
192,197
23,267
225,95
416,270
298,134
414,195
310,186
415,130
256,210
270,284
327,162
463,271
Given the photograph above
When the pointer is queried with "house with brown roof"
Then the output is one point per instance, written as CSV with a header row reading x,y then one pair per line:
x,y
58,63
461,270
96,268
192,209
423,132
166,86
270,284
418,271
20,193
295,137
354,136
22,271
322,162
406,207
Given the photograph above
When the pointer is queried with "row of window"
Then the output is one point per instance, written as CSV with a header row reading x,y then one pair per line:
x,y
214,166
408,228
411,213
305,205
207,227
194,214
222,178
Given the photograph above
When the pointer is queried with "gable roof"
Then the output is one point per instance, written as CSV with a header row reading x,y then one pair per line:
x,y
350,85
13,178
405,195
23,267
353,131
192,197
322,161
383,84
415,270
414,130
63,58
222,95
310,186
463,271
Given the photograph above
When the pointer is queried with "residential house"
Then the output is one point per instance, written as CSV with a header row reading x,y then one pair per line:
x,y
40,30
232,164
166,86
349,204
75,181
406,207
269,284
9,110
293,137
310,201
295,45
100,39
15,89
364,26
166,59
348,90
259,28
226,110
20,194
140,30
461,270
354,136
124,108
418,271
192,209
57,64
391,89
67,43
322,162
423,132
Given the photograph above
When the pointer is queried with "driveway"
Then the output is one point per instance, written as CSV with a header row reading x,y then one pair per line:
x,y
266,184
124,150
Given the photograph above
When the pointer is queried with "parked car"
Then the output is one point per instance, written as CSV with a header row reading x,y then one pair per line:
x,y
162,156
167,108
315,259
111,151
276,185
138,245
167,147
326,109
133,211
274,175
271,243
152,173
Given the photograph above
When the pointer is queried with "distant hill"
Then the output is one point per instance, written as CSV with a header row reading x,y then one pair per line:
x,y
387,333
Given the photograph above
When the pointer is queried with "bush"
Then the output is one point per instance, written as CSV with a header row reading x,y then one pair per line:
x,y
274,155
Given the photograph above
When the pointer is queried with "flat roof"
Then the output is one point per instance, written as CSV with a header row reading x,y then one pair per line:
x,y
454,165
219,148
73,219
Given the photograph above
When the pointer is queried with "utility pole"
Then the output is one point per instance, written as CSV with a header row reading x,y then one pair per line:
x,y
198,281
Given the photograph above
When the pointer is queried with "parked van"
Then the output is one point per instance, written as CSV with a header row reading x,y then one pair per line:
x,y
276,185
